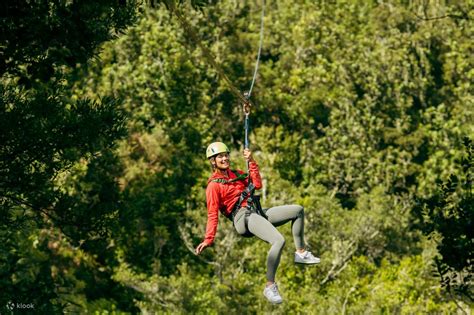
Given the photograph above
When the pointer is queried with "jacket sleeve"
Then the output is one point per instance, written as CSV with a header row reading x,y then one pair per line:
x,y
213,203
255,175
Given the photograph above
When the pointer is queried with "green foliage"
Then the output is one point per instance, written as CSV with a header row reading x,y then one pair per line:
x,y
42,39
45,134
449,214
359,112
403,288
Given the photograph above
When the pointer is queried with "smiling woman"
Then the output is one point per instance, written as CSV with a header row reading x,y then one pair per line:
x,y
218,155
221,161
230,192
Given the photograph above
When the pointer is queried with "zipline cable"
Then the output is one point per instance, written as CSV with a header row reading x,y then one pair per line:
x,y
259,50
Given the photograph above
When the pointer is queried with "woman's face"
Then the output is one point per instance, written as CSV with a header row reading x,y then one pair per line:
x,y
222,161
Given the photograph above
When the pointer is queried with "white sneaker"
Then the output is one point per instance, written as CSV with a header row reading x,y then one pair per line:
x,y
272,294
306,258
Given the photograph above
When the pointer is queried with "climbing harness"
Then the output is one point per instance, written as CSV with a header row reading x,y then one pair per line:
x,y
253,202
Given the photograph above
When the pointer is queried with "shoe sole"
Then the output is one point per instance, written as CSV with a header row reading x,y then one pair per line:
x,y
274,303
302,263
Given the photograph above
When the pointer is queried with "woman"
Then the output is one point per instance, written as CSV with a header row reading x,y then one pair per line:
x,y
223,193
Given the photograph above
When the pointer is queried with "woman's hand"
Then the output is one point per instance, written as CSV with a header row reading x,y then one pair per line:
x,y
201,247
248,155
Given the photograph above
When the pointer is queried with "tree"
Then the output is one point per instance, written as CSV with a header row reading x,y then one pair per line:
x,y
359,110
356,112
45,133
448,217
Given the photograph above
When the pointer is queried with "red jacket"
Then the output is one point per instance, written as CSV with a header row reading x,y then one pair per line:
x,y
223,197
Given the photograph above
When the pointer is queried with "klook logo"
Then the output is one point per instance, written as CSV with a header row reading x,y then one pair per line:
x,y
11,306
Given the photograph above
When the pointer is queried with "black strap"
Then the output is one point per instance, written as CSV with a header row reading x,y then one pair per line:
x,y
247,193
258,206
255,208
253,203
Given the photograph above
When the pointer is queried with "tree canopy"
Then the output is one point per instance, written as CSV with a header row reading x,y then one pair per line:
x,y
362,113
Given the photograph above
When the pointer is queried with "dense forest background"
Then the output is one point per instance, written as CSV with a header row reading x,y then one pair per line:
x,y
363,114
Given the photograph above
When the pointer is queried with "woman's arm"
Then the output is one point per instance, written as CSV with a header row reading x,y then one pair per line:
x,y
212,199
253,169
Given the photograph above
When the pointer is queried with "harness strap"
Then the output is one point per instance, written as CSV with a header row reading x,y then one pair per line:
x,y
228,181
253,202
255,208
245,193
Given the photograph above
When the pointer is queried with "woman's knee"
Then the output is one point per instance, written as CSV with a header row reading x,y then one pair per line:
x,y
279,241
300,211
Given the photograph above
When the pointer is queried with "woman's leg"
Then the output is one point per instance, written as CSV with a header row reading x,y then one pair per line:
x,y
264,230
281,214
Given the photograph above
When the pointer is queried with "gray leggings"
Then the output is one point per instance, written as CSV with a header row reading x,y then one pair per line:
x,y
265,230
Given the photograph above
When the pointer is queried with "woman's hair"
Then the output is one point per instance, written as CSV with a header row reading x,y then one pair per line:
x,y
213,165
